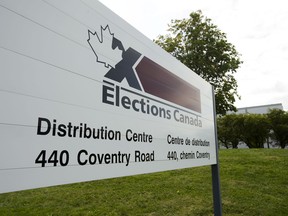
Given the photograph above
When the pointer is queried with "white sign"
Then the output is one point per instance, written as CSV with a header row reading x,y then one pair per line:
x,y
85,96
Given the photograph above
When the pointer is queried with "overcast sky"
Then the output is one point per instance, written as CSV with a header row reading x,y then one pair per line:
x,y
258,29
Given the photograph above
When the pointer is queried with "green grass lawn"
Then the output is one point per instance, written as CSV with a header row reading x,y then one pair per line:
x,y
253,182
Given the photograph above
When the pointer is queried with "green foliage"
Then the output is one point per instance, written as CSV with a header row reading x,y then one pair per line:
x,y
202,47
278,120
228,130
253,182
253,129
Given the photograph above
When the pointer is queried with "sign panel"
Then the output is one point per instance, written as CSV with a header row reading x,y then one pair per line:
x,y
85,96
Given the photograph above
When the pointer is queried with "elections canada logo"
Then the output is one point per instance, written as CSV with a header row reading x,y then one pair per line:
x,y
145,78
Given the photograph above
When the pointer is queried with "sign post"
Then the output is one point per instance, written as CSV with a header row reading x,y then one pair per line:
x,y
216,172
85,96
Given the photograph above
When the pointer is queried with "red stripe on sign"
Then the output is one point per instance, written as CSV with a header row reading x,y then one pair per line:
x,y
160,82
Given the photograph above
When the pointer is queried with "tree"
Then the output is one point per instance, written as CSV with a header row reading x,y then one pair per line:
x,y
202,47
254,129
228,130
278,120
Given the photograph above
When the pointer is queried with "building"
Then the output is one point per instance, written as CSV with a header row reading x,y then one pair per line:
x,y
263,109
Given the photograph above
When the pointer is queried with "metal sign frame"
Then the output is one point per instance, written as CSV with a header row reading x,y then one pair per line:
x,y
85,96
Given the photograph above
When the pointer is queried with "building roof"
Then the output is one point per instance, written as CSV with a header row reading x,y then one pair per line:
x,y
262,109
